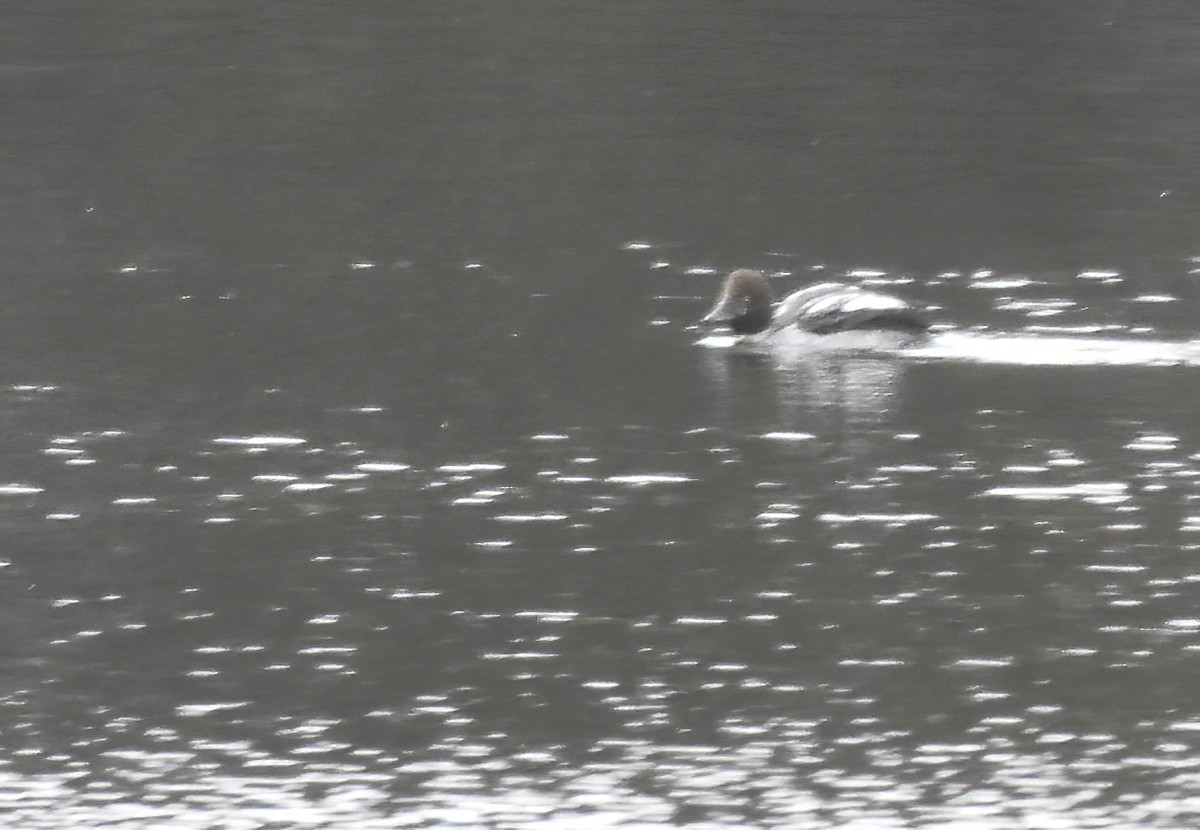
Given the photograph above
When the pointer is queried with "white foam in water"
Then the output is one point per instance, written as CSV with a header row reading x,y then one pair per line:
x,y
1046,350
719,341
795,341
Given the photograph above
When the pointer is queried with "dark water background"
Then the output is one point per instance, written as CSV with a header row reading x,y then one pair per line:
x,y
356,470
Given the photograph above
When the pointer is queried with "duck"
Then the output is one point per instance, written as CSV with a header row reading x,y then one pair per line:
x,y
745,307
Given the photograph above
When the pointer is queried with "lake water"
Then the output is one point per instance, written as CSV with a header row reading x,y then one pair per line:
x,y
359,467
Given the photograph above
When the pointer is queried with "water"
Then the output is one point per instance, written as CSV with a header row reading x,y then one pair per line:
x,y
359,467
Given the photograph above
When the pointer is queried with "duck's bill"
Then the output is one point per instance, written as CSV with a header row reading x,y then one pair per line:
x,y
720,315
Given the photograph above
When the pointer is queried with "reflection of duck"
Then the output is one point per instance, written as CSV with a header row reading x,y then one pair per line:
x,y
790,389
745,307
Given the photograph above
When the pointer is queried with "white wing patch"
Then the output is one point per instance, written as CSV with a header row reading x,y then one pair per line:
x,y
869,301
850,301
825,305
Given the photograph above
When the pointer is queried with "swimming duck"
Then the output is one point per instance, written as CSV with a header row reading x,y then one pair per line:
x,y
745,307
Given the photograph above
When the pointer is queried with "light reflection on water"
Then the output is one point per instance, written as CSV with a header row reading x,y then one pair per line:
x,y
863,607
655,784
352,476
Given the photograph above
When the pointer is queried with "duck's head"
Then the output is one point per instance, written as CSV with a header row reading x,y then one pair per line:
x,y
744,304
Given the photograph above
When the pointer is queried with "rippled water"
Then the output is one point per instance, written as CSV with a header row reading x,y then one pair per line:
x,y
360,467
854,588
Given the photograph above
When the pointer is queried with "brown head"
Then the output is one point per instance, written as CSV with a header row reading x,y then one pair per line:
x,y
744,304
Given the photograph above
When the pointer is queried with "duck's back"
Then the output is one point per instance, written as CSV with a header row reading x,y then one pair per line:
x,y
833,306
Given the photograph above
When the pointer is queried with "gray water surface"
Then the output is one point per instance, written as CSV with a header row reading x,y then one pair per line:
x,y
359,467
